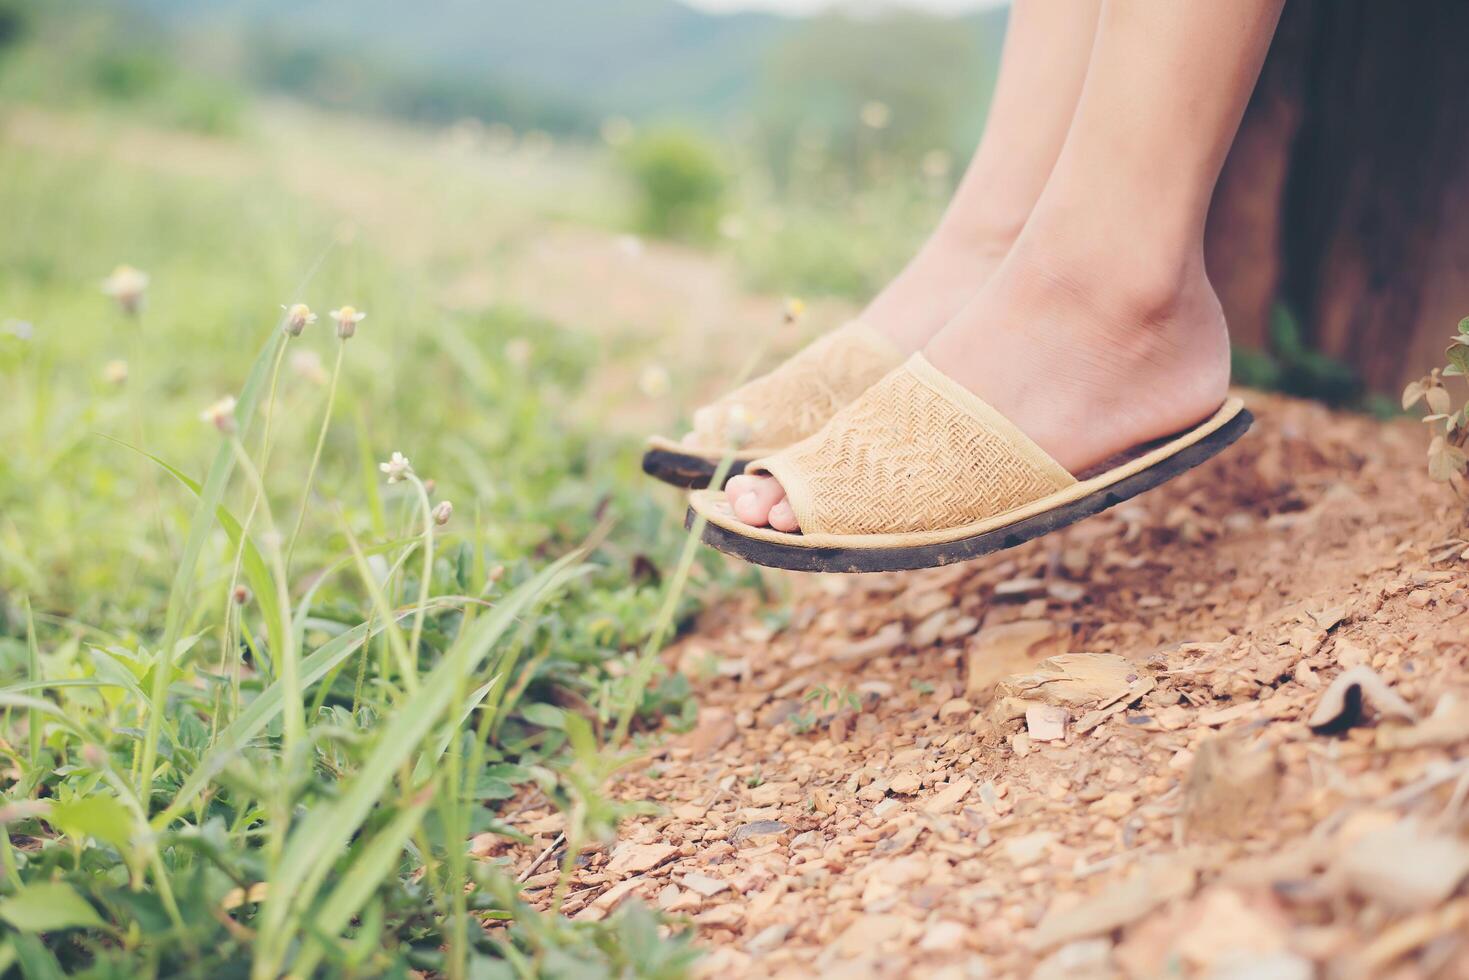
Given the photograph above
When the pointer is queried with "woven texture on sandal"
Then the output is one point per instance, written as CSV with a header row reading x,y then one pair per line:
x,y
796,399
916,452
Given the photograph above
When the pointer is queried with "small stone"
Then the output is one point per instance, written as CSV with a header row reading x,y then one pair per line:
x,y
1019,588
949,797
905,783
944,936
1028,849
758,829
1067,592
704,885
768,939
631,859
955,708
1116,805
715,729
1047,722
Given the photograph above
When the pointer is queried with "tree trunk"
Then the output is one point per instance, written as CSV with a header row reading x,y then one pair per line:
x,y
1346,196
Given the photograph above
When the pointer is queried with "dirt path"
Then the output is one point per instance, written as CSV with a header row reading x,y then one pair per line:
x,y
1162,809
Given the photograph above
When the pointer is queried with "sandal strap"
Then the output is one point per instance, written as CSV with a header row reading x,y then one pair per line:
x,y
916,452
794,400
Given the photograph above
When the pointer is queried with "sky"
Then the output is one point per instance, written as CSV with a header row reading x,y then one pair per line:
x,y
814,6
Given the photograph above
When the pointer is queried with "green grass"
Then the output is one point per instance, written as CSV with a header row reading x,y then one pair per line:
x,y
234,751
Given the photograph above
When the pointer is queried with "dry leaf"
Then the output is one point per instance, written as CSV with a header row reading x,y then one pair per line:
x,y
1341,705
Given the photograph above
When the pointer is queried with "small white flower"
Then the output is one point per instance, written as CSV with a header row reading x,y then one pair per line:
x,y
937,164
518,351
20,329
876,115
653,381
732,226
306,363
221,414
115,372
347,319
298,318
396,468
630,246
126,285
617,130
443,512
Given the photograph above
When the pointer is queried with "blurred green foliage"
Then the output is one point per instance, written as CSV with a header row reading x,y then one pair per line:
x,y
680,181
1291,366
866,101
79,54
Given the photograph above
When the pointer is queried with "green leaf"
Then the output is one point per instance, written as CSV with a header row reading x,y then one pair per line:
x,y
544,715
1458,355
49,906
100,816
1464,325
491,788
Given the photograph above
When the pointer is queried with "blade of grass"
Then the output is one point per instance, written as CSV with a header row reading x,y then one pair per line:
x,y
369,867
257,573
33,718
199,526
317,843
259,712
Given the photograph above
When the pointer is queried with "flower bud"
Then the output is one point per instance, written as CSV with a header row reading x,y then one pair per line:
x,y
347,319
298,318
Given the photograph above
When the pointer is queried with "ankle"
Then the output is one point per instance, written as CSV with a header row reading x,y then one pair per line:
x,y
1133,287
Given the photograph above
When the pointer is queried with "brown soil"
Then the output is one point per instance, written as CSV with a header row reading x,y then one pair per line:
x,y
947,812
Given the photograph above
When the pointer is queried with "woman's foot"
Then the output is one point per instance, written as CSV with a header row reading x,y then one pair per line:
x,y
945,275
1079,348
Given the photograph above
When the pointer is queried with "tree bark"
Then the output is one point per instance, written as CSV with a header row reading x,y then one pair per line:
x,y
1346,195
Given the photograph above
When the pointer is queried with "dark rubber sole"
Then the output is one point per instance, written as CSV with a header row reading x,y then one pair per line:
x,y
682,470
798,559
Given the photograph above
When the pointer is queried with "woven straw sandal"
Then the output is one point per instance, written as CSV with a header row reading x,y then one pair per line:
x,y
780,408
919,472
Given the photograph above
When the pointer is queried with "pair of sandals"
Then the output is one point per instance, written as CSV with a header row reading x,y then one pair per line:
x,y
890,465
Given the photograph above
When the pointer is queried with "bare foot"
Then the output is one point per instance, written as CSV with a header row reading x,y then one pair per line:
x,y
1084,354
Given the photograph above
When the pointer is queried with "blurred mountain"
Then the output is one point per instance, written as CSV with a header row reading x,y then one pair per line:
x,y
564,62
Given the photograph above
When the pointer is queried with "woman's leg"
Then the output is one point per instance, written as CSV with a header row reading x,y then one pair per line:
x,y
1042,67
1100,330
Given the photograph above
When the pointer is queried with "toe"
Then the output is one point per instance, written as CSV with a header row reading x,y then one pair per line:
x,y
737,486
753,501
783,516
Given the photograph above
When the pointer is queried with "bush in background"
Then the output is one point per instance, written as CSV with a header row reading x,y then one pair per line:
x,y
681,183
